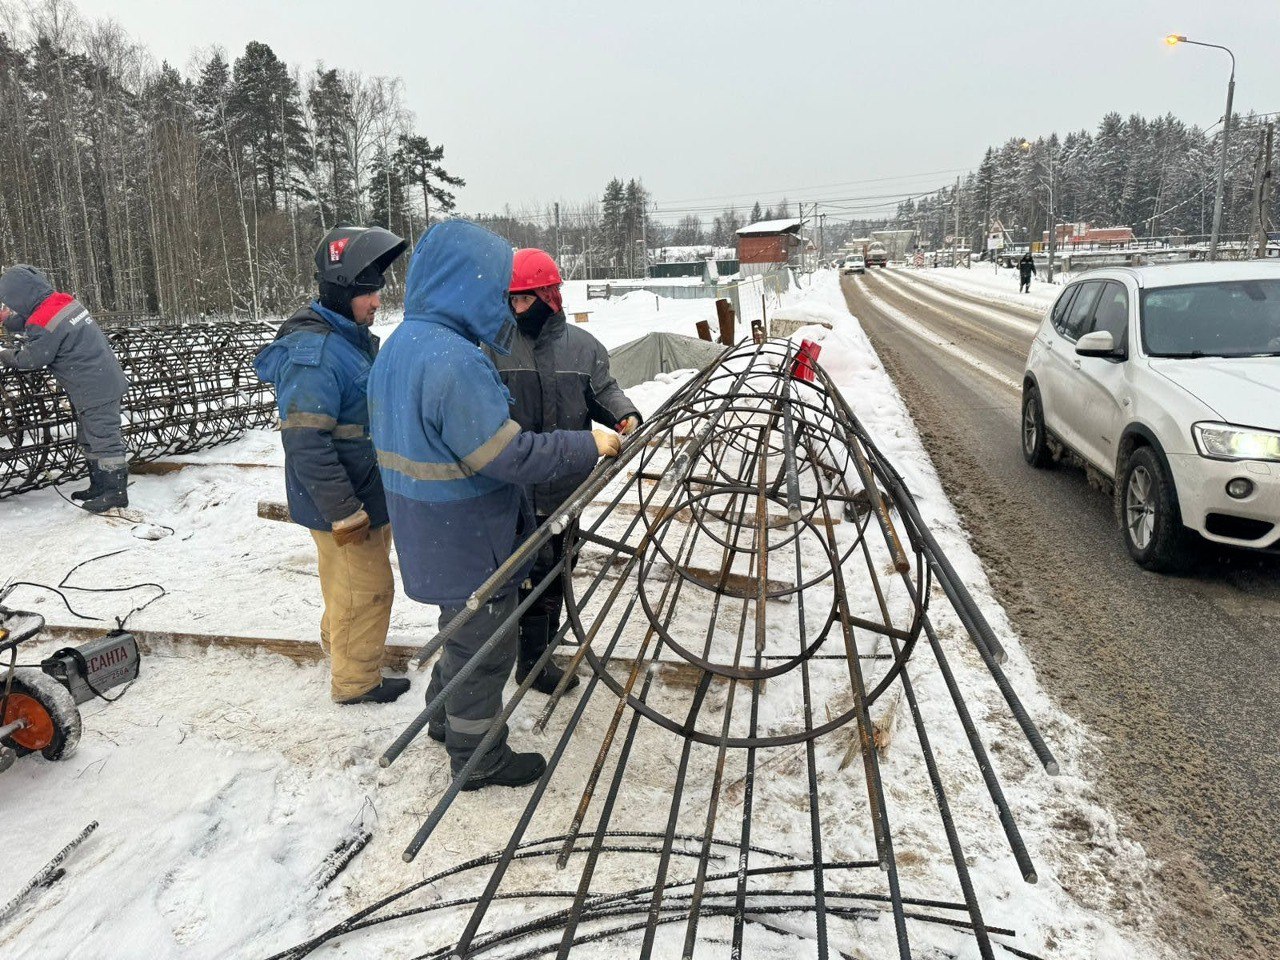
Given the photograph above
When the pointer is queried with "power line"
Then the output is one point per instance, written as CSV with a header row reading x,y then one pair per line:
x,y
775,191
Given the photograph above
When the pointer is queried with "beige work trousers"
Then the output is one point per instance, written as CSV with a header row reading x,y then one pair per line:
x,y
358,588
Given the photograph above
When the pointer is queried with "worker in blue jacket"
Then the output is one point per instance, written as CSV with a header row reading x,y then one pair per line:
x,y
456,467
319,363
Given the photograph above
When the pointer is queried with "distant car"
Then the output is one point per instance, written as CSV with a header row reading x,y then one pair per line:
x,y
853,265
1166,379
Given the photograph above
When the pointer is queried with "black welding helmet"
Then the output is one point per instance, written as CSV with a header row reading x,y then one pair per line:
x,y
350,261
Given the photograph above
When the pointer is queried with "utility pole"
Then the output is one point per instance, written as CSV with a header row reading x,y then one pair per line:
x,y
644,234
1263,188
800,233
557,208
1053,217
822,237
955,238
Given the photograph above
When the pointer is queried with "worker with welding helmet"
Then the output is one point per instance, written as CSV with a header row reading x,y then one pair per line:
x,y
559,379
319,362
457,468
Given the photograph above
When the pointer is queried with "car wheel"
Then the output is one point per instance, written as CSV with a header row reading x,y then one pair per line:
x,y
1035,440
1150,520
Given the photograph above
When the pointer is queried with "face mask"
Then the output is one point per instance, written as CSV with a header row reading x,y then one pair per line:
x,y
533,319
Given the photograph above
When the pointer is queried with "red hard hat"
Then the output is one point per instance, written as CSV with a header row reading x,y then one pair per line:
x,y
532,269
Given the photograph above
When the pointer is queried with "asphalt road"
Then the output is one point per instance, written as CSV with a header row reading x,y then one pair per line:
x,y
1180,676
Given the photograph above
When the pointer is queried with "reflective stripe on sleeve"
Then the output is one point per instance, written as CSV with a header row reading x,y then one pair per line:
x,y
483,455
308,421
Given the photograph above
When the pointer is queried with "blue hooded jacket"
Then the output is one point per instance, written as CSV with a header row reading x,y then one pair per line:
x,y
454,462
319,362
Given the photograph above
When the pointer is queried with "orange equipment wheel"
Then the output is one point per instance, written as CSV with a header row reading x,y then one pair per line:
x,y
53,720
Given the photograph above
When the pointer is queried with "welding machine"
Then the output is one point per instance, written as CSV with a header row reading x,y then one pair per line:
x,y
39,707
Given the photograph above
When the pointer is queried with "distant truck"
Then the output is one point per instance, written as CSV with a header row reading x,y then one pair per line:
x,y
875,254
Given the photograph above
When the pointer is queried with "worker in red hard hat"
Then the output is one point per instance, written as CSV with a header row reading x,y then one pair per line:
x,y
559,379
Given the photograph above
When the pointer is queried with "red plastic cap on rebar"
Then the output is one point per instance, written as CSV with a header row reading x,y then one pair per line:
x,y
533,269
806,357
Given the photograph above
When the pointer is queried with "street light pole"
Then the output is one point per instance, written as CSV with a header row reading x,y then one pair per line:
x,y
1173,39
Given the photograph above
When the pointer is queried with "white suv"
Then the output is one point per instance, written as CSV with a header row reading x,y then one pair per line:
x,y
1167,380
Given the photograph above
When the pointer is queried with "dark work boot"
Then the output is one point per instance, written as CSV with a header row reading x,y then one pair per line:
x,y
95,484
388,691
517,770
435,730
114,491
535,634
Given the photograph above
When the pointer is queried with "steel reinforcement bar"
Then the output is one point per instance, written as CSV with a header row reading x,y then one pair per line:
x,y
753,540
191,386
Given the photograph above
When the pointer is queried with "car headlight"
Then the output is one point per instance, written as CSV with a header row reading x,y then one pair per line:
x,y
1221,441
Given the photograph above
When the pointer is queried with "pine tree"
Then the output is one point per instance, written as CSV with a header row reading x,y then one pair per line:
x,y
732,223
266,112
636,223
388,206
613,223
419,163
329,104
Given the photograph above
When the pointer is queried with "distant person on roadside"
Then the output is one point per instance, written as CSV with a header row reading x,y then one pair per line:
x,y
1026,270
456,467
559,379
59,335
319,362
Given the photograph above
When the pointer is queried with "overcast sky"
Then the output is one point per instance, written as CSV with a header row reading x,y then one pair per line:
x,y
712,101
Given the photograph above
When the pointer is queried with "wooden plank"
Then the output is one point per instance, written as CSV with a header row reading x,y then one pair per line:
x,y
162,468
776,520
395,657
739,584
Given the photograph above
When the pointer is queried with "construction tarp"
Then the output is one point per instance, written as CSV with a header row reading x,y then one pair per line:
x,y
656,353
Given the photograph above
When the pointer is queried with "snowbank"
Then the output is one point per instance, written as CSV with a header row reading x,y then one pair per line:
x,y
984,281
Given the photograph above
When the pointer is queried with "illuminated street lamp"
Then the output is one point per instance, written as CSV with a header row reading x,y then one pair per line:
x,y
1173,40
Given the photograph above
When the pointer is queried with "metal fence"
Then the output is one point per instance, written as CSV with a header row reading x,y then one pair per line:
x,y
191,386
752,298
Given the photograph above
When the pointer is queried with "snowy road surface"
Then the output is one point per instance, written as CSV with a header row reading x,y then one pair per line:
x,y
221,780
1180,675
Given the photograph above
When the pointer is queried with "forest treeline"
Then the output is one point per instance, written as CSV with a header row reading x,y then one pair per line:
x,y
1156,176
148,190
145,190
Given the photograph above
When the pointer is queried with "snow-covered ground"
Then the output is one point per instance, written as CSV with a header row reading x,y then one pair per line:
x,y
983,280
222,780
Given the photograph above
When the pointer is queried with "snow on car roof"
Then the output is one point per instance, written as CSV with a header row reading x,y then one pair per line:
x,y
1179,274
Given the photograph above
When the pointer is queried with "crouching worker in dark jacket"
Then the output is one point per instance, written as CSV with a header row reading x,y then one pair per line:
x,y
456,466
61,336
319,363
559,379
